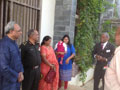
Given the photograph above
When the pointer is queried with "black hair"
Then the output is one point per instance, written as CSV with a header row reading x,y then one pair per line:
x,y
69,44
46,38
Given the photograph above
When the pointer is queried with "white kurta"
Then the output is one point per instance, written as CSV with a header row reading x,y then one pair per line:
x,y
112,75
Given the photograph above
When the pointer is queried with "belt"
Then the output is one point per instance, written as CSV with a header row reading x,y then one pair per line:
x,y
36,67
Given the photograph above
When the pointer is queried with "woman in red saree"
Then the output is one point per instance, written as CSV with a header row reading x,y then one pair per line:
x,y
48,61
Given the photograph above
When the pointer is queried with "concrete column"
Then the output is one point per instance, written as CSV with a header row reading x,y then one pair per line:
x,y
65,11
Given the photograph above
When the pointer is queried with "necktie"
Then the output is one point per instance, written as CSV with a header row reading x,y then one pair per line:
x,y
102,46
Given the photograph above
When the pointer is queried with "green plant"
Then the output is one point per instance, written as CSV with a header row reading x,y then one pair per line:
x,y
87,32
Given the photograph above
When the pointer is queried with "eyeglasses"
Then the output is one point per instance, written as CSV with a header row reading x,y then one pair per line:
x,y
18,30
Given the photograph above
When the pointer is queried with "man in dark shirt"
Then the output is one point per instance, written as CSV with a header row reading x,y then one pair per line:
x,y
103,53
30,52
11,69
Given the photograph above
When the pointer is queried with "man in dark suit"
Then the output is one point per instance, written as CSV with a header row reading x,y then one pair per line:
x,y
103,53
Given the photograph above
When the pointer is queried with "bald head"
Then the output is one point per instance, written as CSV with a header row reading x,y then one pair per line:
x,y
117,36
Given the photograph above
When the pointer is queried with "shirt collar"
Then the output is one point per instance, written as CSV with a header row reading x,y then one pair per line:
x,y
31,43
10,39
105,43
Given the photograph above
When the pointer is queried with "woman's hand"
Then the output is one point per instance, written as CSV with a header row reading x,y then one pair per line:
x,y
47,62
69,58
67,61
53,67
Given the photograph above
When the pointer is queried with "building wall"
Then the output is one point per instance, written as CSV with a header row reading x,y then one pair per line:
x,y
118,8
65,11
109,13
47,18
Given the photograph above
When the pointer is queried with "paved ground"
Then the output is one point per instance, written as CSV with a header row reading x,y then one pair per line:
x,y
73,88
87,86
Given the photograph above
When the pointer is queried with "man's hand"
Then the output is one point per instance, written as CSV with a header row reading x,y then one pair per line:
x,y
20,77
98,57
104,59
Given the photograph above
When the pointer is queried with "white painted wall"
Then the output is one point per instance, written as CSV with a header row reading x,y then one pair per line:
x,y
76,80
47,18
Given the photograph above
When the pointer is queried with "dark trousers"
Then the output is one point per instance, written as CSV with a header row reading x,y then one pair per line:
x,y
98,75
31,79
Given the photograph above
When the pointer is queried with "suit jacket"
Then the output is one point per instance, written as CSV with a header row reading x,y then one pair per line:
x,y
107,52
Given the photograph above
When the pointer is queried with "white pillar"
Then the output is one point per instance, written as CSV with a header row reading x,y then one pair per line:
x,y
47,18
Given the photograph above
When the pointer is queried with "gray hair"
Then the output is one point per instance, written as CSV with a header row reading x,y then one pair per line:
x,y
9,26
106,34
31,32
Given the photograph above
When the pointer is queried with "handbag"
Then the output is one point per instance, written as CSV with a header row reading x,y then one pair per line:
x,y
50,76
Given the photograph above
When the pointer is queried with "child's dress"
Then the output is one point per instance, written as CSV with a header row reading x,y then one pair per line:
x,y
61,47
